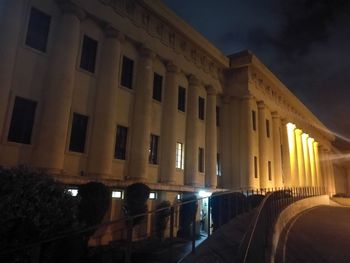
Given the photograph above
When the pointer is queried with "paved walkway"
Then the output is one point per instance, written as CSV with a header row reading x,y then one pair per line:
x,y
320,234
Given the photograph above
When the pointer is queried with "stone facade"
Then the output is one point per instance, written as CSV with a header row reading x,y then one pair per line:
x,y
264,136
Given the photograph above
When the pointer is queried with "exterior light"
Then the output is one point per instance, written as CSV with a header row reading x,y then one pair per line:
x,y
73,191
118,194
204,194
152,195
178,197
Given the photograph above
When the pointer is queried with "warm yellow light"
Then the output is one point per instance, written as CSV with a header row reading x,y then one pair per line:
x,y
304,138
292,151
312,160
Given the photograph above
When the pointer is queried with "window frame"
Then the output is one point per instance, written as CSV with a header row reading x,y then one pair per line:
x,y
82,42
201,108
70,134
201,160
117,149
157,87
130,78
254,120
179,164
256,174
267,123
153,157
181,100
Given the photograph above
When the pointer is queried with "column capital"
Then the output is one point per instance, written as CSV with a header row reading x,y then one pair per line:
x,y
210,90
298,131
193,80
67,6
171,67
275,115
261,104
146,52
111,32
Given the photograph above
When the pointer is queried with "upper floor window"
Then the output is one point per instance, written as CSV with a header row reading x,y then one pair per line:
x,y
217,116
201,108
127,72
218,165
255,167
38,30
181,101
179,155
201,160
157,87
88,54
120,145
268,128
153,149
254,120
22,121
78,133
269,170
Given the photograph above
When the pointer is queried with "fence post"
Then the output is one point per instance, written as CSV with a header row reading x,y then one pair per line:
x,y
129,225
208,214
194,232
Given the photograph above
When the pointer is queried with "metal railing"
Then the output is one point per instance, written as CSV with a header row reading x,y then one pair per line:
x,y
129,243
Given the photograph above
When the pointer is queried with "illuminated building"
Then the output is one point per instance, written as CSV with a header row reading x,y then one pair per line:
x,y
125,91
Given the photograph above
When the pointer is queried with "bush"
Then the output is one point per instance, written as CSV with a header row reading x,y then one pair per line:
x,y
187,214
33,207
135,202
225,207
162,218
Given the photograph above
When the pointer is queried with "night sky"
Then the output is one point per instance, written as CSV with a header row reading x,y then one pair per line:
x,y
305,43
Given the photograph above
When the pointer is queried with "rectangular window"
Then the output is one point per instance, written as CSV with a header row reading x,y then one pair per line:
x,y
179,155
120,144
78,133
201,160
127,72
217,116
153,149
88,54
218,165
268,128
181,101
269,170
201,108
22,121
254,120
157,87
255,167
38,29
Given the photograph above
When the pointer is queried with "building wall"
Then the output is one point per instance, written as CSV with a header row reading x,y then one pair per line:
x,y
241,84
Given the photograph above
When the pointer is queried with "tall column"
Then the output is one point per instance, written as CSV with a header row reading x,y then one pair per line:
x,y
331,172
262,145
210,139
286,166
300,154
11,14
104,125
227,180
304,138
277,158
51,140
168,158
141,123
248,179
191,147
317,165
312,161
325,169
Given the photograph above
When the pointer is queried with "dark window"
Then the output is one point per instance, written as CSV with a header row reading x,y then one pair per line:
x,y
217,116
218,165
269,170
127,72
120,144
268,128
254,120
38,29
201,107
181,101
255,167
157,87
78,133
88,54
22,121
153,149
201,160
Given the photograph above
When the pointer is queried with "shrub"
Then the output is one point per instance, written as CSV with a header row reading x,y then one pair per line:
x,y
187,214
33,207
162,218
225,207
135,202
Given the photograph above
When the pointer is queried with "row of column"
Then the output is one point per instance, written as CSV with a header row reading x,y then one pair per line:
x,y
50,143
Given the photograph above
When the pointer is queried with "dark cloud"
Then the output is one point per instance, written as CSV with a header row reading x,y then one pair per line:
x,y
304,42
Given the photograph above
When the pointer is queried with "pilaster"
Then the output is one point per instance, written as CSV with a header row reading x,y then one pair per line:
x,y
262,145
276,127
